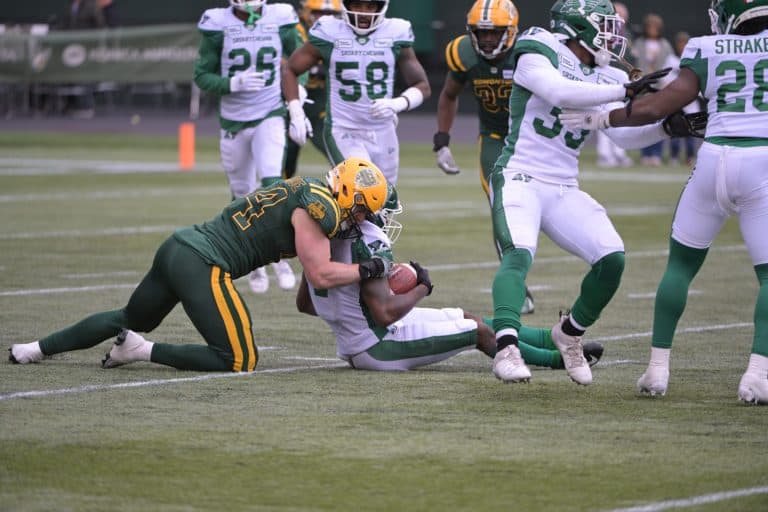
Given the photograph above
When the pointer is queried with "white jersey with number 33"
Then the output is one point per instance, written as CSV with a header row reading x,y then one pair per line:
x,y
537,143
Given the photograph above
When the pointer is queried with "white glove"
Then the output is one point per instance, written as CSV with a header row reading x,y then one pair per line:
x,y
584,119
446,162
304,96
249,80
386,108
299,127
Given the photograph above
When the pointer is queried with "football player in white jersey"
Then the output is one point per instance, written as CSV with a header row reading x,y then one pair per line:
x,y
534,185
377,330
361,52
730,177
239,59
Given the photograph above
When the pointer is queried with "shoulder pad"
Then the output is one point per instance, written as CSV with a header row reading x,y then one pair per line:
x,y
398,29
319,203
537,40
282,14
214,19
328,28
460,55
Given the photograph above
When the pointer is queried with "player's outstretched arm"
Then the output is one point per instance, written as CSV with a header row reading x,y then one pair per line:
x,y
447,107
654,107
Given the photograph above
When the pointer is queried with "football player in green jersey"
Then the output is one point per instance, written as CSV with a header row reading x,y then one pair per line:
x,y
241,52
482,59
315,91
730,177
196,266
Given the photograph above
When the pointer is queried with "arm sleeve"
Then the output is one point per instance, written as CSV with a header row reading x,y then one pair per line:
x,y
536,73
637,137
208,64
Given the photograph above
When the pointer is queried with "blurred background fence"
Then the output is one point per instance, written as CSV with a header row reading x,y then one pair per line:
x,y
142,52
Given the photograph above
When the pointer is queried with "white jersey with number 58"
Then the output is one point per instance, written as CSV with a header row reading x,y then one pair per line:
x,y
359,69
733,77
537,143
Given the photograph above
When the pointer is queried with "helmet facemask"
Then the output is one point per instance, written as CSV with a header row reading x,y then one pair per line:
x,y
251,7
505,38
725,17
358,19
608,43
385,219
492,27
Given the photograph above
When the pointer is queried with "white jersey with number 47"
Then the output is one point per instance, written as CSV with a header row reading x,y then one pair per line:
x,y
733,77
359,69
537,143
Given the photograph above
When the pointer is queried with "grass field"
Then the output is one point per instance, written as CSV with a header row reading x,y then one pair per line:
x,y
80,223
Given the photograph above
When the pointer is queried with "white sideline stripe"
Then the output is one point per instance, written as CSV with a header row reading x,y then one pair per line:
x,y
75,233
648,334
121,193
156,382
618,362
45,166
125,273
652,295
570,259
695,500
47,291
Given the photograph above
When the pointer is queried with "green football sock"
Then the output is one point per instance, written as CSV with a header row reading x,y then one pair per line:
x,y
672,294
509,289
86,333
598,288
760,342
536,346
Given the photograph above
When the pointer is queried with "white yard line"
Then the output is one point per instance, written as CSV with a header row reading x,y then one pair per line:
x,y
648,334
694,500
72,289
76,233
157,382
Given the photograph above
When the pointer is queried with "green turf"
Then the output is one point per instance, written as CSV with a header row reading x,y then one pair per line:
x,y
304,433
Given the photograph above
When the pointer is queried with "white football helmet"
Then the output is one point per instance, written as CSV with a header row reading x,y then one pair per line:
x,y
244,5
357,19
386,216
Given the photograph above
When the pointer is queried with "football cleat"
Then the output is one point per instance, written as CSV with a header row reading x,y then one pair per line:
x,y
654,381
593,351
572,353
286,280
25,353
258,280
528,305
129,347
508,365
753,389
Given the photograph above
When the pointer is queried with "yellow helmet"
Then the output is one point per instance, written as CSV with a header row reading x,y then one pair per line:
x,y
311,10
357,183
499,16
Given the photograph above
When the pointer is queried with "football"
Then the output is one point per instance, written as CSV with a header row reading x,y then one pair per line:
x,y
402,278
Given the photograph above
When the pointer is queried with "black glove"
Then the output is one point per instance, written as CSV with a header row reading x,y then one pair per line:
x,y
645,83
680,124
422,277
374,268
441,139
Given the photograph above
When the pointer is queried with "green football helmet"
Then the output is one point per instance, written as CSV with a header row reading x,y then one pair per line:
x,y
727,15
594,24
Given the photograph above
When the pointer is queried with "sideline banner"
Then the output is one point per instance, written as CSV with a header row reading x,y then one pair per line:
x,y
155,53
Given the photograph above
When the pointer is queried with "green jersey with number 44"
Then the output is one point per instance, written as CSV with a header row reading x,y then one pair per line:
x,y
256,229
537,143
358,69
733,77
